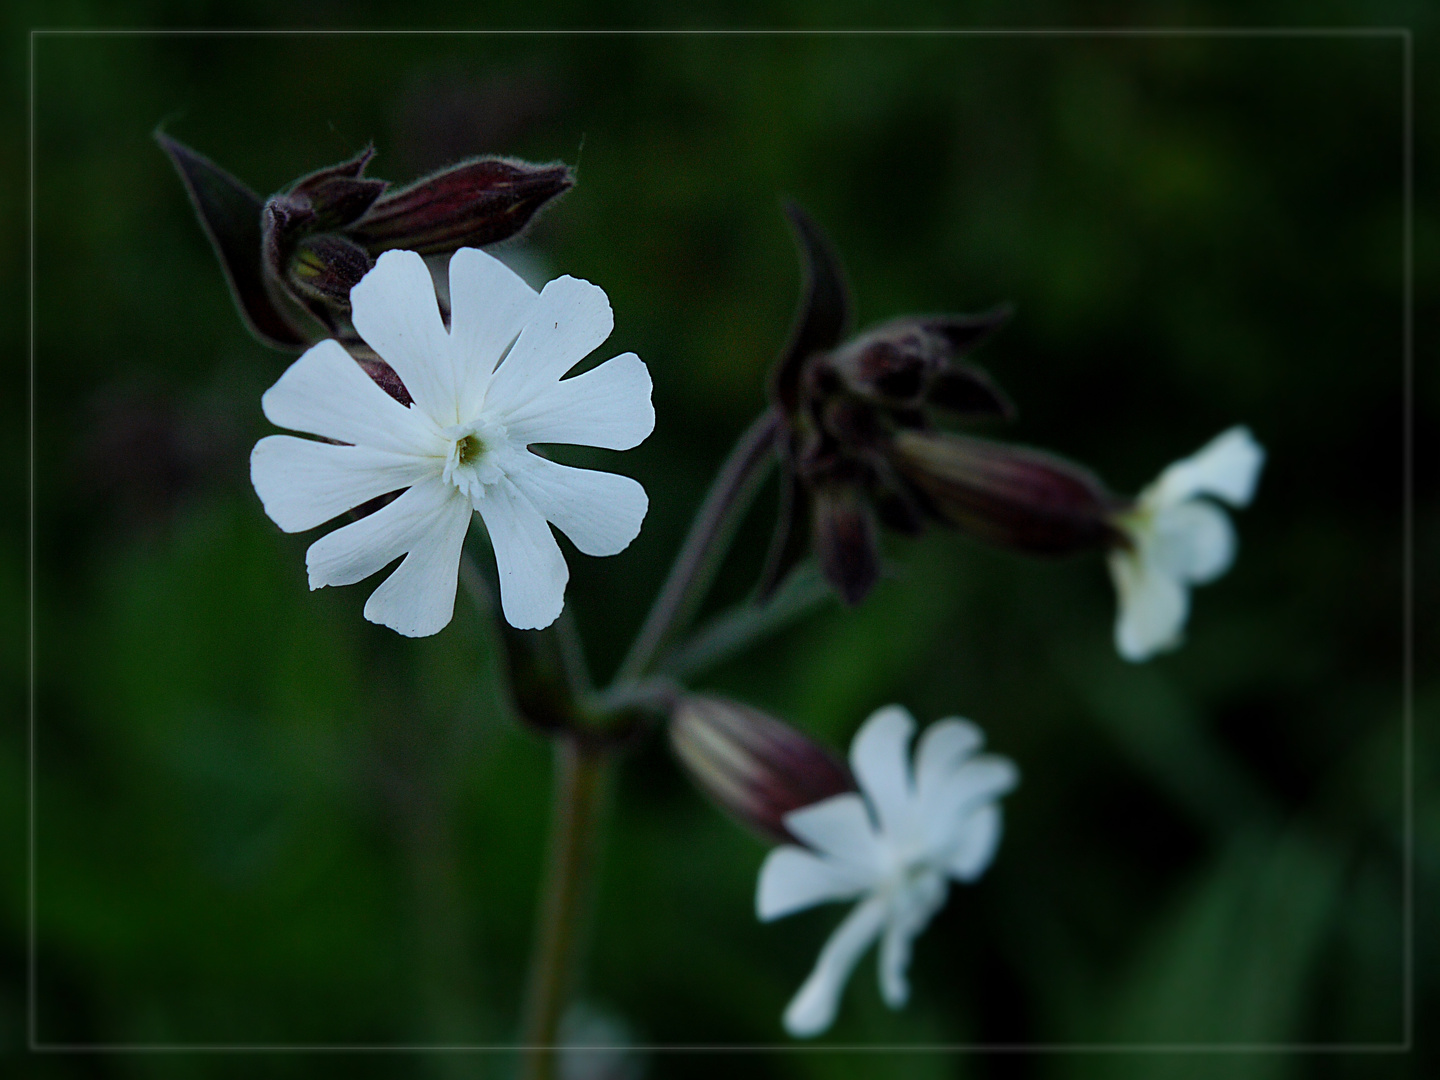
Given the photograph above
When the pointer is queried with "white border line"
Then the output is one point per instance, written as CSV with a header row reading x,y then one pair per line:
x,y
1407,541
1407,581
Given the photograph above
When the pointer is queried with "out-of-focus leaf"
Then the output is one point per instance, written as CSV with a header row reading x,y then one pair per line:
x,y
1232,963
1165,735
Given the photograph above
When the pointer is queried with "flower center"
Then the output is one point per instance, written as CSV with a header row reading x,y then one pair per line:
x,y
1135,524
469,449
471,463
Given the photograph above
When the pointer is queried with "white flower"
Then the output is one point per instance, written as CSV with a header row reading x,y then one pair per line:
x,y
1177,539
483,392
895,849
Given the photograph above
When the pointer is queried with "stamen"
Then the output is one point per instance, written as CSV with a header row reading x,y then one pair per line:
x,y
469,449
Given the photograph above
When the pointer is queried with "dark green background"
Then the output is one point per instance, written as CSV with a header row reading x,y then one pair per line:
x,y
260,819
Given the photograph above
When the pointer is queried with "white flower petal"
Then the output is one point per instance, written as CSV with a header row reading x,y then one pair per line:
x,y
813,1008
570,319
418,599
793,879
910,912
942,748
978,838
367,546
327,393
839,827
1193,541
489,305
1152,607
1227,467
395,311
945,808
606,406
600,512
303,483
532,570
895,949
880,759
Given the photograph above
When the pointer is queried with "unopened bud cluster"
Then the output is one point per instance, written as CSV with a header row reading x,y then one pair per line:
x,y
863,446
291,260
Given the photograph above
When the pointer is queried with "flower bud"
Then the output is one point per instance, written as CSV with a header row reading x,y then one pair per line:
x,y
291,260
338,195
326,268
477,202
1008,495
751,764
309,210
903,364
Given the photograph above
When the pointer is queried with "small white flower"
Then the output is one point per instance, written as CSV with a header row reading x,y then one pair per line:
x,y
483,392
895,849
1178,538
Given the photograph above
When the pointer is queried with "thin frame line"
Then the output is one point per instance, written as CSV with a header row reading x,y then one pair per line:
x,y
1061,32
1407,571
1406,37
1231,1049
32,996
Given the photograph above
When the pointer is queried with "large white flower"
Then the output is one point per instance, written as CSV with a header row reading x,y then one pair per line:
x,y
483,390
896,849
1178,538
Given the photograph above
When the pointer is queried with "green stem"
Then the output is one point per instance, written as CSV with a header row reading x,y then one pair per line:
x,y
736,630
698,558
580,788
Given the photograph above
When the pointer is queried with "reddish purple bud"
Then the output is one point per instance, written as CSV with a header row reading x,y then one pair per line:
x,y
348,169
340,201
474,203
326,268
911,361
1009,495
339,194
752,765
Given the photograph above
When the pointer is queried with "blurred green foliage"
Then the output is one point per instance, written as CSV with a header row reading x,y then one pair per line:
x,y
259,819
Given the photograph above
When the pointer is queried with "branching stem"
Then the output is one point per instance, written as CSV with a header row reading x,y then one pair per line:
x,y
699,556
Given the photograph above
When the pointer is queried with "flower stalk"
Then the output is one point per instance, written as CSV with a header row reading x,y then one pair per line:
x,y
699,556
581,789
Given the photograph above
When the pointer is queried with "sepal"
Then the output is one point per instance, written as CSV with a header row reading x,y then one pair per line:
x,y
229,213
752,765
823,316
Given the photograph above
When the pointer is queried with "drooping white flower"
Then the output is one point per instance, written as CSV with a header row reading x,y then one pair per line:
x,y
1179,538
484,390
895,849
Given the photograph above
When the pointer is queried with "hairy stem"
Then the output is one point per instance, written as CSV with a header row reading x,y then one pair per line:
x,y
698,558
580,788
